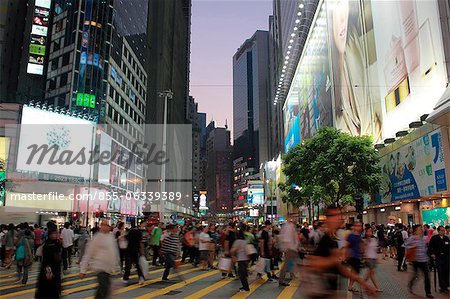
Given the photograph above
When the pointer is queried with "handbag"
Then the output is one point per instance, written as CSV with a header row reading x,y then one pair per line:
x,y
410,255
263,265
225,264
144,266
250,249
40,251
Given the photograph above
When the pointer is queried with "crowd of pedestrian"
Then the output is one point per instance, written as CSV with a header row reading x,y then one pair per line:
x,y
322,252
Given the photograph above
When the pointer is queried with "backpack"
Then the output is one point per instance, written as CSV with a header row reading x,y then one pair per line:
x,y
398,239
20,251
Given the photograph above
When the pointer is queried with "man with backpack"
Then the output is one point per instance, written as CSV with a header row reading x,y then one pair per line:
x,y
24,253
399,241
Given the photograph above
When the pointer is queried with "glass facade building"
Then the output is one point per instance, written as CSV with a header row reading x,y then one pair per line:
x,y
250,99
80,44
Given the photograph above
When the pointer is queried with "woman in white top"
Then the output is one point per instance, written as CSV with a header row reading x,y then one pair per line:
x,y
371,256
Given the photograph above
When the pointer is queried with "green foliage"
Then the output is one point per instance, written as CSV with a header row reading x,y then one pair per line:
x,y
333,167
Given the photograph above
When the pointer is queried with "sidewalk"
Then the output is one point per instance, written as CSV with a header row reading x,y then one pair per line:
x,y
395,284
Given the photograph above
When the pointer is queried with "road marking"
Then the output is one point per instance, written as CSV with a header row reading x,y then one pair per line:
x,y
147,282
289,291
255,285
34,276
72,282
209,289
177,285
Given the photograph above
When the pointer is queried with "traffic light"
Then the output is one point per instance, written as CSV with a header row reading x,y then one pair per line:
x,y
75,215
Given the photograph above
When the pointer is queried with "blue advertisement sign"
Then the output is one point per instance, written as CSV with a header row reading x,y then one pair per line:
x,y
414,170
255,194
293,135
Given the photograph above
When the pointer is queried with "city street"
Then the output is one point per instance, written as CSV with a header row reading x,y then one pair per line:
x,y
192,283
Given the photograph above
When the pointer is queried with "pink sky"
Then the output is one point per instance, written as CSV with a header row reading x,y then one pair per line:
x,y
219,27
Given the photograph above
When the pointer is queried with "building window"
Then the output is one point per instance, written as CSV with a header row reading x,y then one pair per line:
x,y
63,80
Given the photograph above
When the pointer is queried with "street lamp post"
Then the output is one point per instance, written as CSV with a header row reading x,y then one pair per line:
x,y
167,94
270,183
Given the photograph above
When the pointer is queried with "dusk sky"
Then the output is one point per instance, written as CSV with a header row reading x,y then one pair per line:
x,y
219,28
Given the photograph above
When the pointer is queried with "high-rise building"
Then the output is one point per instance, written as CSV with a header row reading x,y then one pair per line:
x,y
168,42
196,144
219,170
80,45
169,25
24,31
127,78
288,30
250,99
203,159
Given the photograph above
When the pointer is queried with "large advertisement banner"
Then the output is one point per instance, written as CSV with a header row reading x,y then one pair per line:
x,y
415,170
50,141
309,106
356,107
410,60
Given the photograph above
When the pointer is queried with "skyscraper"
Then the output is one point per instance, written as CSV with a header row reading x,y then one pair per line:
x,y
24,31
127,78
250,99
203,158
79,54
168,42
219,170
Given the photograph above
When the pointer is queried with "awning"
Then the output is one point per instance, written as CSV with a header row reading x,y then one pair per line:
x,y
441,112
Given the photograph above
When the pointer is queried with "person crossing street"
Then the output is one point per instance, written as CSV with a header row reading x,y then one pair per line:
x,y
102,256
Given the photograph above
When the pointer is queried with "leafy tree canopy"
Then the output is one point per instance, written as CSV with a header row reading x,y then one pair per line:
x,y
332,167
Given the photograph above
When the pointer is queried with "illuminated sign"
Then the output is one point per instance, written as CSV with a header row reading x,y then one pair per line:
x,y
255,194
85,100
39,30
38,40
202,205
37,50
43,3
254,212
40,128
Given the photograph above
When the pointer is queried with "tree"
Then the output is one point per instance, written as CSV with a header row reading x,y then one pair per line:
x,y
334,167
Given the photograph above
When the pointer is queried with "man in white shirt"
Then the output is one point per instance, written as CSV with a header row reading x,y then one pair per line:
x,y
205,240
289,244
103,256
67,237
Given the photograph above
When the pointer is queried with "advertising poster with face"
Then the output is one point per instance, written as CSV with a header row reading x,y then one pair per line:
x,y
356,108
410,58
415,170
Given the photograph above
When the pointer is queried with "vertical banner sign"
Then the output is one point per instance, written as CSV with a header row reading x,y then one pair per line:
x,y
38,40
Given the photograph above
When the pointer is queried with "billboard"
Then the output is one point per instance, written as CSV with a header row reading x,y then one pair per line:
x,y
410,58
436,217
356,106
65,138
255,194
414,170
38,39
